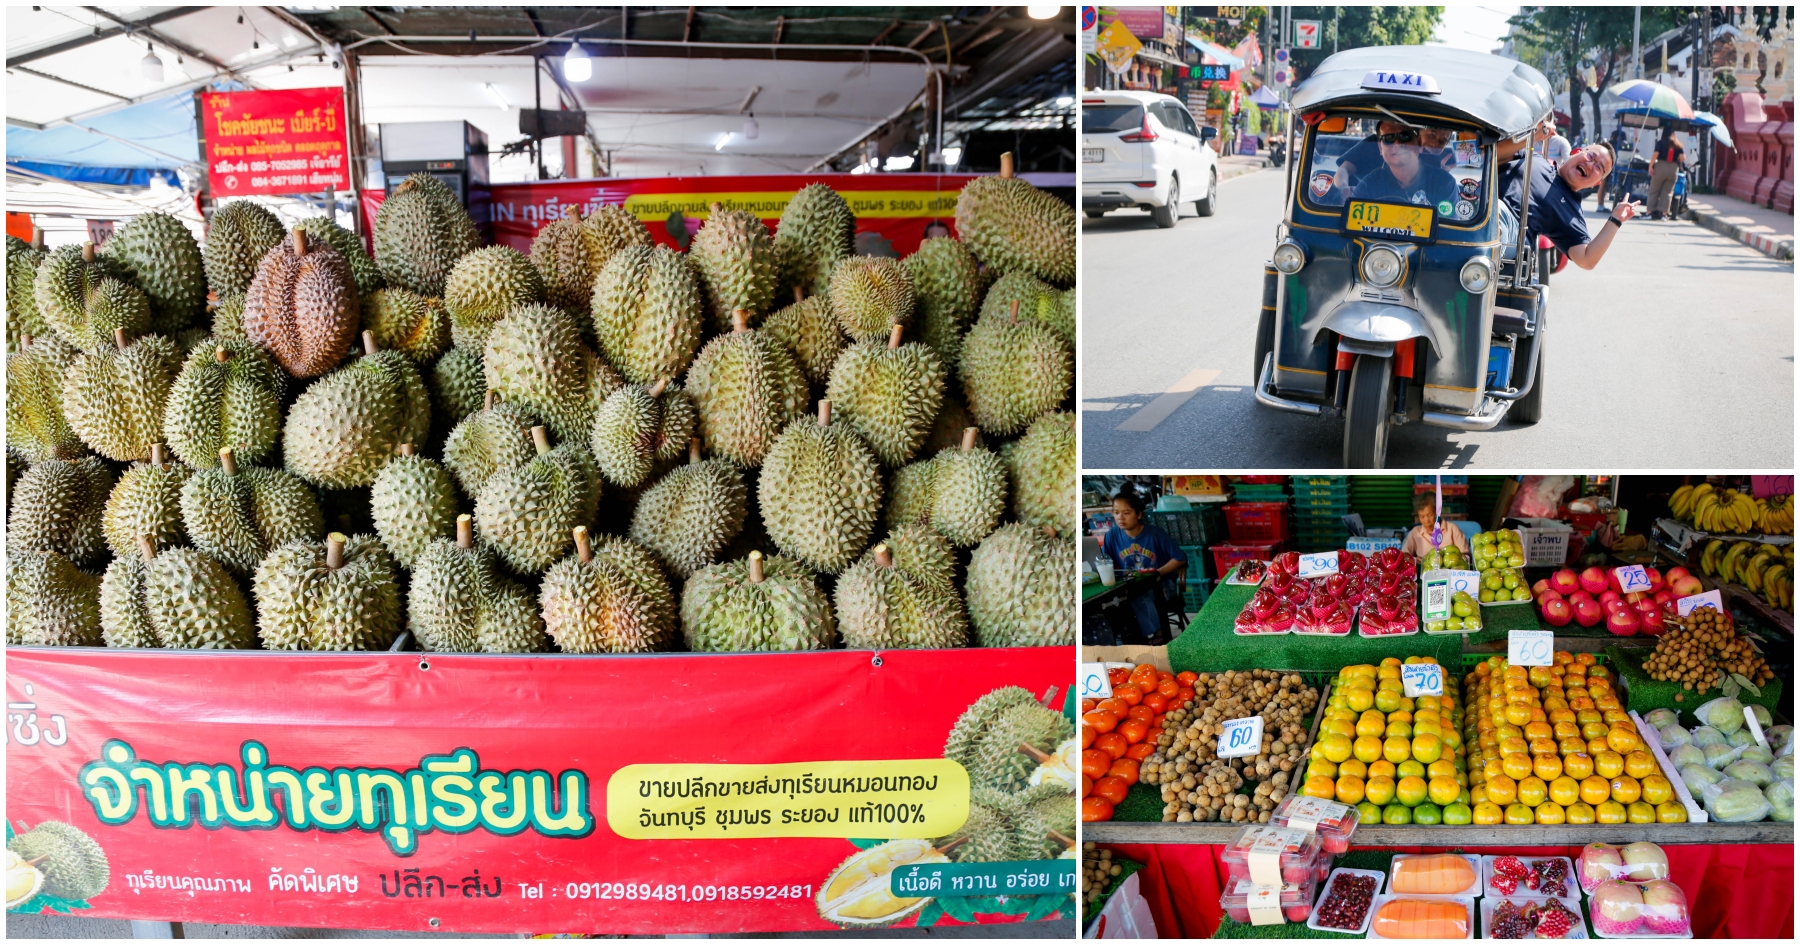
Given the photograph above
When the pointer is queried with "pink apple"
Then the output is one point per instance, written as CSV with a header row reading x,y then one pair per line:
x,y
1264,604
1542,585
1580,595
1665,909
1656,579
1598,863
1646,860
1686,585
1557,612
1676,572
1623,622
1593,580
1633,597
1610,595
1663,596
1648,610
1565,581
1387,605
1338,584
1587,612
1617,908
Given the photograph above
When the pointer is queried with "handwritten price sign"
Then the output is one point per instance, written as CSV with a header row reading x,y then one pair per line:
x,y
1241,737
1318,565
1421,679
1689,604
1530,647
1091,682
1632,578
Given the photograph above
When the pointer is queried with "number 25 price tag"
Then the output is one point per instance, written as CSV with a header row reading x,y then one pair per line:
x,y
1530,647
1632,578
1421,679
1092,683
1317,565
1241,737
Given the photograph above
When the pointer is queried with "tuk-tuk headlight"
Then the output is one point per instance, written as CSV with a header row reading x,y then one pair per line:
x,y
1381,267
1477,274
1289,257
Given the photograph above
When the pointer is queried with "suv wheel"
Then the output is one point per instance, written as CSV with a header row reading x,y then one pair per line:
x,y
1166,215
1207,204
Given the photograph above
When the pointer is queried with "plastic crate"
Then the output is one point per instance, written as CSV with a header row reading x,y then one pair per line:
x,y
1259,493
1187,528
1449,488
1447,480
1224,556
1251,522
1323,502
1260,480
1321,480
1339,490
1196,558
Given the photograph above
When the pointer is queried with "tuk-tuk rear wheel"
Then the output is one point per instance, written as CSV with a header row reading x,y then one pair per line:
x,y
1530,408
1366,413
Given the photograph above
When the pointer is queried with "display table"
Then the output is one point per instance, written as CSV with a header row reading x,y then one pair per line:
x,y
1210,645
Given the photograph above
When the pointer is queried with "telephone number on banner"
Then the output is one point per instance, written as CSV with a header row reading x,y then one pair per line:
x,y
677,892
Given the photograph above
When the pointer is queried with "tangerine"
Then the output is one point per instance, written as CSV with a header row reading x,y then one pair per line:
x,y
1502,790
1622,741
1427,748
1516,765
1113,789
1565,790
1657,789
1320,786
1609,764
1095,808
1134,730
1639,764
1488,813
1410,768
1533,791
1442,790
1670,812
1410,791
1610,812
1322,769
1102,720
1626,789
1458,814
1441,768
1359,699
1549,812
1399,728
1126,768
1397,814
1595,790
1578,813
1396,749
1639,812
1379,790
1367,749
1519,814
1353,768
1349,789
1548,767
1382,769
1336,746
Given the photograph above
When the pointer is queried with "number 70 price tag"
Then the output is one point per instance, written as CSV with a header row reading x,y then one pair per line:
x,y
1241,737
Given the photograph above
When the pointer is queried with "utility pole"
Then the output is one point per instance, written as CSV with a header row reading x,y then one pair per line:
x,y
1705,56
1334,29
1637,52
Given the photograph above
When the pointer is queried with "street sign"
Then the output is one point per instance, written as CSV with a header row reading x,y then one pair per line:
x,y
1282,77
1307,34
1090,28
1281,55
1117,47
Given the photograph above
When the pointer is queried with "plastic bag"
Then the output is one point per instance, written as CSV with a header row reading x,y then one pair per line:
x,y
1707,735
1783,768
1698,777
1780,795
1735,802
1751,771
1742,736
1685,755
1661,718
1724,713
1541,496
1763,718
1757,753
1778,735
1673,737
1718,756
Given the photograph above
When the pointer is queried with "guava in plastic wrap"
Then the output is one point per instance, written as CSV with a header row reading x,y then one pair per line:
x,y
1763,718
1757,753
1742,736
1778,735
1783,768
1707,735
1673,737
1697,777
1718,756
1735,802
1661,718
1686,755
1780,795
1754,772
1724,713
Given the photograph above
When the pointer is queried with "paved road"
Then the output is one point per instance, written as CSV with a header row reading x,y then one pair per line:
x,y
1676,353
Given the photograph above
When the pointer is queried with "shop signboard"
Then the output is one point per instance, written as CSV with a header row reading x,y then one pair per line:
x,y
1306,34
1143,22
535,793
1118,47
290,141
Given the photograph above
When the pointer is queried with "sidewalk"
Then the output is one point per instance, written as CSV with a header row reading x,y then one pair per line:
x,y
1765,230
1237,165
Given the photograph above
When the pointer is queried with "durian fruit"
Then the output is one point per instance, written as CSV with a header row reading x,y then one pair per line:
x,y
413,502
989,736
484,287
924,554
528,513
36,427
947,431
1018,588
494,438
1037,300
820,493
570,251
755,605
648,312
345,426
229,393
420,232
947,283
160,255
881,607
736,259
611,229
49,601
412,324
816,230
238,235
534,358
910,492
747,387
178,599
22,318
1012,226
859,893
1014,370
458,386
228,318
691,514
811,332
1043,821
114,398
641,428
341,595
146,502
348,245
74,866
237,514
890,395
870,295
609,598
1043,474
58,505
303,306
461,602
85,298
968,492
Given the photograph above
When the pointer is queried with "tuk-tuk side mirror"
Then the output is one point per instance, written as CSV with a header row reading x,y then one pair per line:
x,y
1208,133
1334,125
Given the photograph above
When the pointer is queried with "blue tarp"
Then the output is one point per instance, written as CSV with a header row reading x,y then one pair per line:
x,y
164,125
114,176
1217,54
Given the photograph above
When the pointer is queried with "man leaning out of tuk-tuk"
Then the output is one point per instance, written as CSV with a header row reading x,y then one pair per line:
x,y
1556,195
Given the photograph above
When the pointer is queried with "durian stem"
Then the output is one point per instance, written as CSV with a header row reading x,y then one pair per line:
x,y
959,841
656,389
1067,842
299,242
584,549
715,208
37,861
465,532
24,340
369,346
1006,164
87,251
694,450
1036,754
824,413
157,456
228,460
894,337
799,294
334,550
221,355
756,570
147,548
487,402
406,449
541,440
968,442
883,556
1015,311
119,338
740,320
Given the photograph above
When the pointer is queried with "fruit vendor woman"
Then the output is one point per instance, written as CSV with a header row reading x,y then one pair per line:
x,y
1135,545
1418,541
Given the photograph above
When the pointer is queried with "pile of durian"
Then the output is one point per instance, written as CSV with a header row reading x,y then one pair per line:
x,y
605,446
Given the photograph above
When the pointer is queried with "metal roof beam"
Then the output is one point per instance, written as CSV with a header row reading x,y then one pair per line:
x,y
57,78
100,34
182,48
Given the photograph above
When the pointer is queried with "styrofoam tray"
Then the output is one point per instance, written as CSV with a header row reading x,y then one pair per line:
x,y
1578,930
1653,741
1487,876
1640,933
1313,921
1380,901
1474,864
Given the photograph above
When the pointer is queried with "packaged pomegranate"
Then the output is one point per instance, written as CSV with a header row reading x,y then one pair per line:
x,y
1251,904
1271,856
1348,902
1335,823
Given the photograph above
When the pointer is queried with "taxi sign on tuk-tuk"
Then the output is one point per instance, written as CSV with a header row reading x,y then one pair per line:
x,y
1390,220
1393,81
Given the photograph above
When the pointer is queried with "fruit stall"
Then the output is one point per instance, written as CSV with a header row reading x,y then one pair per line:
x,y
1643,765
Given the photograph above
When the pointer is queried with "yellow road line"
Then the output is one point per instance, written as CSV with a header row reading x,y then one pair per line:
x,y
1159,409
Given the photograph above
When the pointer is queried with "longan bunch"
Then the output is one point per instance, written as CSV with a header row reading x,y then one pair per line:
x,y
1701,651
1097,871
1196,784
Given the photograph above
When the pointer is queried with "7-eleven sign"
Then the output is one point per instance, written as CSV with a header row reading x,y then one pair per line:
x,y
1307,34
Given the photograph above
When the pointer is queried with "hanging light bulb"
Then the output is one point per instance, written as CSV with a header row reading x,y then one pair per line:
x,y
750,128
1042,11
577,67
152,66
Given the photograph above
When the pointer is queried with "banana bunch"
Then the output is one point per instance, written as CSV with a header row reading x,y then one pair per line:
x,y
1713,510
1776,515
1762,568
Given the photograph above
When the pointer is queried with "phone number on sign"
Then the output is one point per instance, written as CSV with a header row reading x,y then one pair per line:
x,y
676,892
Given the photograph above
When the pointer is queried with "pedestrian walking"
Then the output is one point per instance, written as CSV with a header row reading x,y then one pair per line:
x,y
1664,166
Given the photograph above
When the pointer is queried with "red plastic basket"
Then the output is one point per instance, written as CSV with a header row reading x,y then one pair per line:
x,y
1260,480
1252,522
1224,556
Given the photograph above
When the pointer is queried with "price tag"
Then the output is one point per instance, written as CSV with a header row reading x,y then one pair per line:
x,y
1091,682
1318,565
1755,726
1686,605
1632,579
1264,903
1421,679
1531,647
1241,737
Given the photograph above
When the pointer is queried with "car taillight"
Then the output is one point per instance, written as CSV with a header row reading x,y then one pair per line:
x,y
1145,133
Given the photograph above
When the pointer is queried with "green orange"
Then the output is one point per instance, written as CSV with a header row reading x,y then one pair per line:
x,y
1367,748
1428,814
1397,749
1410,791
1671,812
1335,747
1458,814
1379,790
1396,814
1427,748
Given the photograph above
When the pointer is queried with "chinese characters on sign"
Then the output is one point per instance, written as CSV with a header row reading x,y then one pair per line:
x,y
284,142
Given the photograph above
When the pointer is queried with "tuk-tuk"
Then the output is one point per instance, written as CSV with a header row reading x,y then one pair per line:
x,y
1401,289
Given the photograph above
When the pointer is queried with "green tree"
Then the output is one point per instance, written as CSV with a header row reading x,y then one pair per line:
x,y
1350,27
1599,36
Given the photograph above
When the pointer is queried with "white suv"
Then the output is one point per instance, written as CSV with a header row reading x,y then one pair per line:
x,y
1142,149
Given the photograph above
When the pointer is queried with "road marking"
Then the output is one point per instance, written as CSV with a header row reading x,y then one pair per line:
x,y
1159,409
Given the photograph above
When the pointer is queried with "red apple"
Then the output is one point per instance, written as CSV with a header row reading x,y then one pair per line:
x,y
1587,612
1656,579
1593,580
1610,595
1676,572
1565,581
1538,589
1686,585
1557,612
1623,622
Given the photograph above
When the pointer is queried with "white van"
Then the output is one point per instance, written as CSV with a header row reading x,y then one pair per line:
x,y
1143,149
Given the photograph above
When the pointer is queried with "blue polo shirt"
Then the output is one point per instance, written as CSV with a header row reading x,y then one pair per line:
x,y
1432,186
1555,208
1151,549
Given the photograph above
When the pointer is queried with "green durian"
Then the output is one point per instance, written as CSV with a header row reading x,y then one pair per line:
x,y
58,505
528,513
820,492
160,255
36,427
811,332
302,306
534,358
736,260
648,312
238,235
890,394
340,595
363,270
755,605
85,298
146,501
178,598
484,287
1043,820
229,393
412,324
968,492
1014,370
947,430
1018,589
817,228
947,283
611,229
1038,301
986,836
570,251
114,398
460,602
49,601
458,386
1012,226
228,318
345,426
22,318
987,738
922,553
691,514
747,387
75,867
413,502
492,439
237,514
608,597
910,492
882,607
1045,487
420,233
870,295
639,429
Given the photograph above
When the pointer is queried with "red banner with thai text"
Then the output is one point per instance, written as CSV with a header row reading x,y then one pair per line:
x,y
290,141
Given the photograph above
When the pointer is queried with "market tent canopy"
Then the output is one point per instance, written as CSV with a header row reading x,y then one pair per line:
x,y
1217,54
1265,99
125,147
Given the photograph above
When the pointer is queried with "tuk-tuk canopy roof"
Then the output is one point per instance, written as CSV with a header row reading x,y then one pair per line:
x,y
1506,96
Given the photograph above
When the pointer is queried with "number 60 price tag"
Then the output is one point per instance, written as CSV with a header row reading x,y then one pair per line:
x,y
1530,647
1241,737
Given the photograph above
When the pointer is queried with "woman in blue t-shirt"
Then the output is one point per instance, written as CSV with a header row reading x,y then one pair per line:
x,y
1134,545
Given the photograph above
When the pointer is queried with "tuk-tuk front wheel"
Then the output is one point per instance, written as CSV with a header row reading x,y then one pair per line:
x,y
1367,413
1530,408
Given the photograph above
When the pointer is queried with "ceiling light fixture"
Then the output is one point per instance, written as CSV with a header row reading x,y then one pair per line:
x,y
751,130
494,93
723,139
1064,101
151,66
1041,11
577,67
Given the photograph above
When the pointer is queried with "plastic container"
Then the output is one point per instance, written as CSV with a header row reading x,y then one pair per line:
x,y
1671,912
1256,521
1600,862
1368,913
1473,891
1226,555
1321,480
1577,929
1296,899
1467,903
1287,854
1572,888
1335,823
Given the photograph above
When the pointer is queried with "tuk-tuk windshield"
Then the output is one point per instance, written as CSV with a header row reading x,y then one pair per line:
x,y
1383,160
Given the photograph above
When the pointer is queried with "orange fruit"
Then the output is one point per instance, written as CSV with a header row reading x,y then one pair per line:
x,y
1670,812
1548,767
1611,812
1516,765
1349,790
1512,745
1573,745
1595,790
1478,794
1353,769
1490,768
1320,786
1578,813
1657,789
1519,814
1488,812
1517,714
1543,746
1396,749
1359,699
1427,748
1609,764
1366,748
1565,790
1533,791
1502,790
1442,790
1566,730
1398,728
1410,791
1538,730
1379,790
1549,812
1381,769
1596,746
1322,769
1429,727
1335,747
1626,789
1640,813
1622,741
1639,764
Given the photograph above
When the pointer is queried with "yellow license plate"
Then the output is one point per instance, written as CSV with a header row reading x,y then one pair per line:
x,y
1389,219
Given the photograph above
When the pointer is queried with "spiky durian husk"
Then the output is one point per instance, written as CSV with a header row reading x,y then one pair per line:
x,y
1045,488
747,387
817,229
1017,589
610,229
303,308
1012,226
947,282
986,738
75,867
881,607
648,312
146,501
635,433
228,317
487,442
302,604
528,513
412,324
534,357
22,318
910,492
485,286
820,493
968,495
1014,372
723,611
57,506
36,427
183,598
239,518
458,386
363,270
238,235
413,501
459,602
345,427
923,553
561,256
114,398
690,515
889,395
125,620
1038,301
85,302
736,260
619,602
420,233
809,330
235,403
987,836
1036,812
160,254
49,601
947,431
870,295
